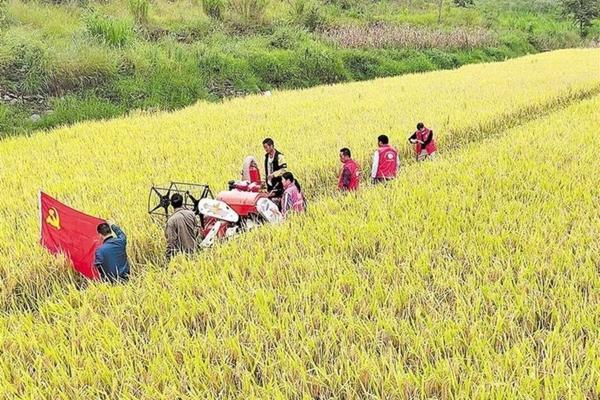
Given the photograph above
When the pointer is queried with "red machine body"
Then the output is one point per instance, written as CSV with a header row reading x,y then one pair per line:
x,y
245,186
215,220
243,203
242,196
208,225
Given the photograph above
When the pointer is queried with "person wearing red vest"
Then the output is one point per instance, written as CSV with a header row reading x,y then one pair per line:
x,y
350,175
425,146
385,161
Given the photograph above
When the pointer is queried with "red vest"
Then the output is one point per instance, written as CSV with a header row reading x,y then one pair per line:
x,y
352,166
388,162
423,136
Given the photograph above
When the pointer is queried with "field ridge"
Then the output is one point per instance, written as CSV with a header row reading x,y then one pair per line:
x,y
486,130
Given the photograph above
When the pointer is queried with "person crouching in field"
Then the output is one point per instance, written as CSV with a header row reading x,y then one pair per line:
x,y
111,257
350,175
293,199
385,161
182,230
425,147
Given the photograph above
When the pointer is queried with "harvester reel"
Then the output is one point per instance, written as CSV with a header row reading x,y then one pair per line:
x,y
159,202
159,199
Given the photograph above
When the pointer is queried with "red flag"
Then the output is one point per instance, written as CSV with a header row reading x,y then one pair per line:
x,y
68,231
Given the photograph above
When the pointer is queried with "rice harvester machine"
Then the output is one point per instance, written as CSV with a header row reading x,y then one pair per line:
x,y
243,206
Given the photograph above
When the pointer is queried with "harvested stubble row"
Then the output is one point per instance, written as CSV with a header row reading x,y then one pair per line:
x,y
106,168
480,282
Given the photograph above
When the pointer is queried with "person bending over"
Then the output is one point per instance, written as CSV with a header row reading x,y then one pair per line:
x,y
111,257
425,146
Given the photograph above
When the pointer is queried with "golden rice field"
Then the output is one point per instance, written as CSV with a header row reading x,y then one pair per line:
x,y
476,276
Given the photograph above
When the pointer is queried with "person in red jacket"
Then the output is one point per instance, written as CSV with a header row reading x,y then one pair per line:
x,y
424,142
350,175
385,161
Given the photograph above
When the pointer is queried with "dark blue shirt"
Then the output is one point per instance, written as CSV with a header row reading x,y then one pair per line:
x,y
111,257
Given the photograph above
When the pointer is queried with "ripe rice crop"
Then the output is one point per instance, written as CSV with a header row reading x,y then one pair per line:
x,y
480,281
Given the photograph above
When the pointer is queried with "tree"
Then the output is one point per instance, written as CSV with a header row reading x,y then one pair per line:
x,y
583,12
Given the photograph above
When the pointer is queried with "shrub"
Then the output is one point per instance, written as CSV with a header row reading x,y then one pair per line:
x,y
83,66
314,19
343,4
139,10
111,31
297,9
227,74
13,120
248,12
306,13
213,8
407,62
169,80
361,64
516,42
4,18
321,65
287,38
277,68
442,59
26,64
71,108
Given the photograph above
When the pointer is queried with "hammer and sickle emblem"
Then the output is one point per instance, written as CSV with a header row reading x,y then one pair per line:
x,y
53,219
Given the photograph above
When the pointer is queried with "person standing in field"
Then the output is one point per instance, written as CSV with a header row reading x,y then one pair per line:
x,y
385,161
275,167
111,257
293,198
350,175
182,229
425,147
